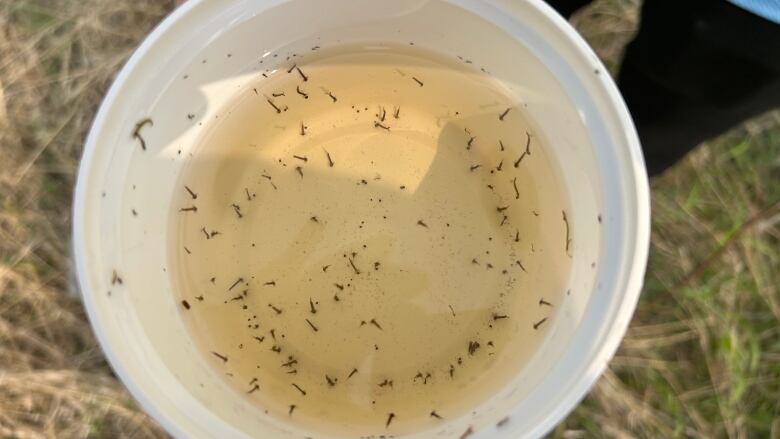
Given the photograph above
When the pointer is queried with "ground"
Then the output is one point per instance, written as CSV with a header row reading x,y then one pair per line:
x,y
702,356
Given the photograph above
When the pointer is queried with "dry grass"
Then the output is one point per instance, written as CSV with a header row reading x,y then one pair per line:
x,y
56,60
702,358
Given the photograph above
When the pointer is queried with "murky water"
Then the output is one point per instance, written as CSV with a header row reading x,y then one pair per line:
x,y
370,251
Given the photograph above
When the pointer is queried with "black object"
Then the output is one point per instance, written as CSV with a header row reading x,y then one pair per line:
x,y
695,69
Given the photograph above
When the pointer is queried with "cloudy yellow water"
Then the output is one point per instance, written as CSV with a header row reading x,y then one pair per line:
x,y
366,253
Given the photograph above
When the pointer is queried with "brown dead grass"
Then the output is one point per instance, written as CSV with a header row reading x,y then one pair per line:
x,y
701,359
56,60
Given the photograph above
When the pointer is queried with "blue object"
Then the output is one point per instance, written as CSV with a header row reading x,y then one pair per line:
x,y
769,9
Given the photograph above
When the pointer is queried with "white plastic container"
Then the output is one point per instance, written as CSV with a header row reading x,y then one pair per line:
x,y
121,262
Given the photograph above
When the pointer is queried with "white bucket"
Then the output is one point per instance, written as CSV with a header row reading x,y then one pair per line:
x,y
571,99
